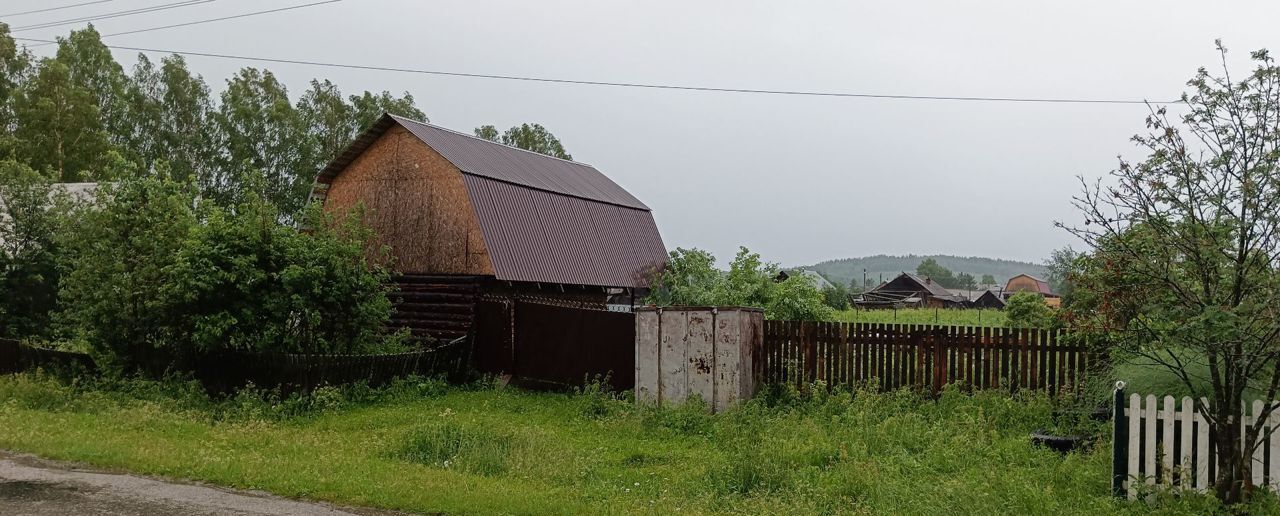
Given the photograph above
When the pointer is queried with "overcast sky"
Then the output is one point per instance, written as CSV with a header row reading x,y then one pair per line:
x,y
799,179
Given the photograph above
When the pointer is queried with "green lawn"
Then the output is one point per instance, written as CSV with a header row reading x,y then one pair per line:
x,y
423,447
941,316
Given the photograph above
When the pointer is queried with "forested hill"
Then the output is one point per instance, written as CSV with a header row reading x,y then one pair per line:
x,y
846,269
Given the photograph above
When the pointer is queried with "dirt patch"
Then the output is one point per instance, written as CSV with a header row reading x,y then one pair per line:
x,y
38,487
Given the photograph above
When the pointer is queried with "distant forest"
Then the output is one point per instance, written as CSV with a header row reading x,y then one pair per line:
x,y
844,270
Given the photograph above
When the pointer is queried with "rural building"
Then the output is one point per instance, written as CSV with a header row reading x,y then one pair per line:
x,y
467,220
909,291
1029,283
989,299
818,281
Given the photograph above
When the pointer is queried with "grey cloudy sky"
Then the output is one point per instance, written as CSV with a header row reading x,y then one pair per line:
x,y
799,179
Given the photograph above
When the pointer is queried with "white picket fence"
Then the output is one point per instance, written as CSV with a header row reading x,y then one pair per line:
x,y
1169,444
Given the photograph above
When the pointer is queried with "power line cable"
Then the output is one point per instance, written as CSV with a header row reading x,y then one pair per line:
x,y
55,8
117,14
210,20
626,84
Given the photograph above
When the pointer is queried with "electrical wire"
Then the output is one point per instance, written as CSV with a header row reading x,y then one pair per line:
x,y
1044,100
117,14
55,8
198,22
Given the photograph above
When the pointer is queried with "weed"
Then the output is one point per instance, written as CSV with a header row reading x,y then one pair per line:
x,y
452,445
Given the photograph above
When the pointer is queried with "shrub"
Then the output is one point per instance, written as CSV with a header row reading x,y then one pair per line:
x,y
690,278
1028,310
31,213
155,278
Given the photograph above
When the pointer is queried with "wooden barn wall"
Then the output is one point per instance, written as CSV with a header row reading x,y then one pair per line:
x,y
1022,283
417,203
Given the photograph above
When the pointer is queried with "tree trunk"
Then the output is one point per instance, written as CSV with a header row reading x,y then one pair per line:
x,y
1232,469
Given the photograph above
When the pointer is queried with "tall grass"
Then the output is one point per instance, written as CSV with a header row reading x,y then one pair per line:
x,y
940,316
419,446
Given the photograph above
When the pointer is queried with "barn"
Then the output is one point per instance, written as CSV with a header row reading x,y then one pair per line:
x,y
1029,283
468,220
989,299
910,291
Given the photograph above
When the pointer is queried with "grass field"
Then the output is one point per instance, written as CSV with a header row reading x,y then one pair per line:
x,y
424,447
945,317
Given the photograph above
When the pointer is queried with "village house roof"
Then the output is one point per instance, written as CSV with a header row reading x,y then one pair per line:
x,y
543,219
907,287
1036,285
814,276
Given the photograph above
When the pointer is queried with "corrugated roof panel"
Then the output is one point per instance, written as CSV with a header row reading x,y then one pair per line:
x,y
496,161
540,236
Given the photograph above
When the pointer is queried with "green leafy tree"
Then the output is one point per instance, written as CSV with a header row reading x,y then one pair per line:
x,y
262,134
988,279
172,111
836,296
157,279
929,268
15,65
369,106
530,137
92,68
1063,265
329,120
59,131
118,261
31,214
690,279
1028,310
965,281
1183,269
242,281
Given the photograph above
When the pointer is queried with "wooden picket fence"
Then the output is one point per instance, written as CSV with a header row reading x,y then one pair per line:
x,y
922,356
1163,441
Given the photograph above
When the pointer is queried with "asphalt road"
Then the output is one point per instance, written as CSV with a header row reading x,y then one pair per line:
x,y
39,487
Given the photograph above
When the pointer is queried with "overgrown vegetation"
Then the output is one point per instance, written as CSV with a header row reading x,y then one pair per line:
x,y
1028,310
940,316
690,278
1183,270
149,276
420,446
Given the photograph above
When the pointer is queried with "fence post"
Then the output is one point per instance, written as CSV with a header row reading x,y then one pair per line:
x,y
1119,443
939,361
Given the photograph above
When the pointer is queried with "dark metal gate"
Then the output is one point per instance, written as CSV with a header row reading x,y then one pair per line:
x,y
555,345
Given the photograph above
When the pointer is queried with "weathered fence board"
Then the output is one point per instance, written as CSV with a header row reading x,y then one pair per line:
x,y
902,355
1168,443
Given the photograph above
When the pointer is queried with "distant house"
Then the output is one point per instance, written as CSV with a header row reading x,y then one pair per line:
x,y
469,219
990,299
910,291
1029,283
818,280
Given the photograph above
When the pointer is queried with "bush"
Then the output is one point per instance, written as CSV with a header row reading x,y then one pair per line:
x,y
31,213
690,278
1028,310
155,278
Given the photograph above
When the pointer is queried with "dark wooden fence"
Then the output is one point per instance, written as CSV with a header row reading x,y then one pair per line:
x,y
292,372
226,372
17,357
927,357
